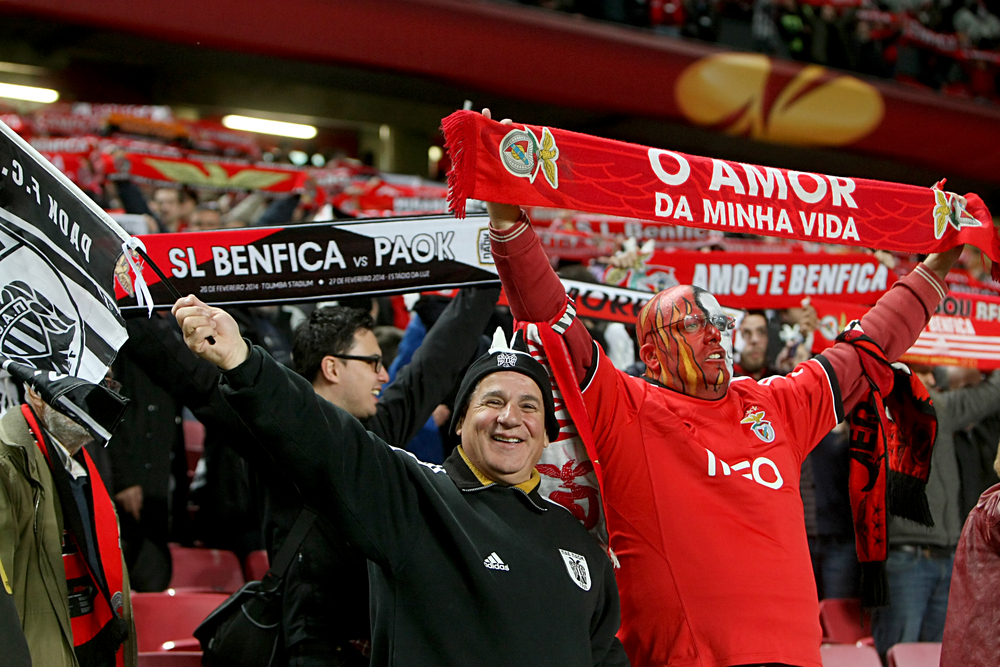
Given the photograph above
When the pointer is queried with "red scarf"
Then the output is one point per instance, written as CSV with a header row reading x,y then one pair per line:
x,y
95,610
539,166
890,459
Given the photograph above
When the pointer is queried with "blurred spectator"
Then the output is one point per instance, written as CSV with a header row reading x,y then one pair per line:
x,y
753,356
168,205
206,216
832,547
920,559
970,633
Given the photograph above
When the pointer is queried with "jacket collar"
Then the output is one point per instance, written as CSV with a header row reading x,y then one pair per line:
x,y
469,479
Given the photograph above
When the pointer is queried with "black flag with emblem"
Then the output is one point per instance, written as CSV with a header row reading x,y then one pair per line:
x,y
58,252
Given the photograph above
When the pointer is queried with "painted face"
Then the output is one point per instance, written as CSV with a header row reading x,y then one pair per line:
x,y
682,344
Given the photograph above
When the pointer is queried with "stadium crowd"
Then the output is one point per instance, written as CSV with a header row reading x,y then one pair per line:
x,y
292,450
945,45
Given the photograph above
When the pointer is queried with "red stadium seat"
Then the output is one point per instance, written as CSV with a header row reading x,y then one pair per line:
x,y
194,443
161,618
256,565
842,623
845,655
917,654
205,570
177,659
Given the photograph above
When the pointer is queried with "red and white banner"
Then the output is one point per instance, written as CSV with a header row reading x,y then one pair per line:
x,y
762,280
965,331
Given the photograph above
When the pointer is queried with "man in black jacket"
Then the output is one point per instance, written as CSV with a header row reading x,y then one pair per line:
x,y
468,564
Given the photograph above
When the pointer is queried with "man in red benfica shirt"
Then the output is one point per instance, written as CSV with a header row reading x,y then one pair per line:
x,y
701,470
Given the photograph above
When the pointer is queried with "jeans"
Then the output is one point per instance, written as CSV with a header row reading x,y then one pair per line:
x,y
836,567
918,600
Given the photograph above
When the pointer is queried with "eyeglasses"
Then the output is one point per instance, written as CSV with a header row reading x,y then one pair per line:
x,y
374,359
693,324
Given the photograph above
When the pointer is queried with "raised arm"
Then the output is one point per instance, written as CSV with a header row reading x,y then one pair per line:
x,y
894,322
533,289
341,470
965,407
436,368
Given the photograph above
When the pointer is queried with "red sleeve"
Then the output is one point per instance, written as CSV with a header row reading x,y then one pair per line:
x,y
894,323
533,289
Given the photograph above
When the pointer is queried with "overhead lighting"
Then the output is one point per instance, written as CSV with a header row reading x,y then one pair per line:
x,y
263,126
28,93
17,68
434,153
298,158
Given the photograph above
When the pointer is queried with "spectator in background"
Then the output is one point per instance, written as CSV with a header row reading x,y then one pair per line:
x,y
920,559
970,633
206,216
832,545
168,205
753,356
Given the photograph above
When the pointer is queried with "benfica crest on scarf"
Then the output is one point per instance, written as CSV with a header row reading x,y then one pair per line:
x,y
58,252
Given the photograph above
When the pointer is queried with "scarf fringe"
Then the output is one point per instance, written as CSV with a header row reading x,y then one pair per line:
x,y
104,644
907,498
458,138
874,584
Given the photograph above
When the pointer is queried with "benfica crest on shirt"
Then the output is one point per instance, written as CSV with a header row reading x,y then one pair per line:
x,y
758,425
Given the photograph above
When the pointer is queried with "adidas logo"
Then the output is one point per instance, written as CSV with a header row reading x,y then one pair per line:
x,y
493,562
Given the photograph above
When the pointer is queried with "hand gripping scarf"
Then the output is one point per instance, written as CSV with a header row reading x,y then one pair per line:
x,y
892,434
539,166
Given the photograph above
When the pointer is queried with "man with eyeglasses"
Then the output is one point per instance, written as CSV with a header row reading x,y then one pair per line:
x,y
700,469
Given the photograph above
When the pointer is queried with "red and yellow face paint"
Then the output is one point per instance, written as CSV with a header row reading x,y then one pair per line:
x,y
695,363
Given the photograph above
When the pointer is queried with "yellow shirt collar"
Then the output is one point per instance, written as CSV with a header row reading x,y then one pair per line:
x,y
527,486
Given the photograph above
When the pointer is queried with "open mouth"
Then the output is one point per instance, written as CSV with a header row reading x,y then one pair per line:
x,y
716,356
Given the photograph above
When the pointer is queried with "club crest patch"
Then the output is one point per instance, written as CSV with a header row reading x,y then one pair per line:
x,y
576,565
507,360
524,155
758,425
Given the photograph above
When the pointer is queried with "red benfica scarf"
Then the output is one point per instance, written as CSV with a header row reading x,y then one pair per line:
x,y
95,610
890,459
539,166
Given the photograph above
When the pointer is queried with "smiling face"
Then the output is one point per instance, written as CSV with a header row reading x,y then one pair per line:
x,y
683,356
503,430
354,385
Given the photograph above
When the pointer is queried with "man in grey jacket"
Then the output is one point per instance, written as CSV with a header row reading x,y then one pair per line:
x,y
920,558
